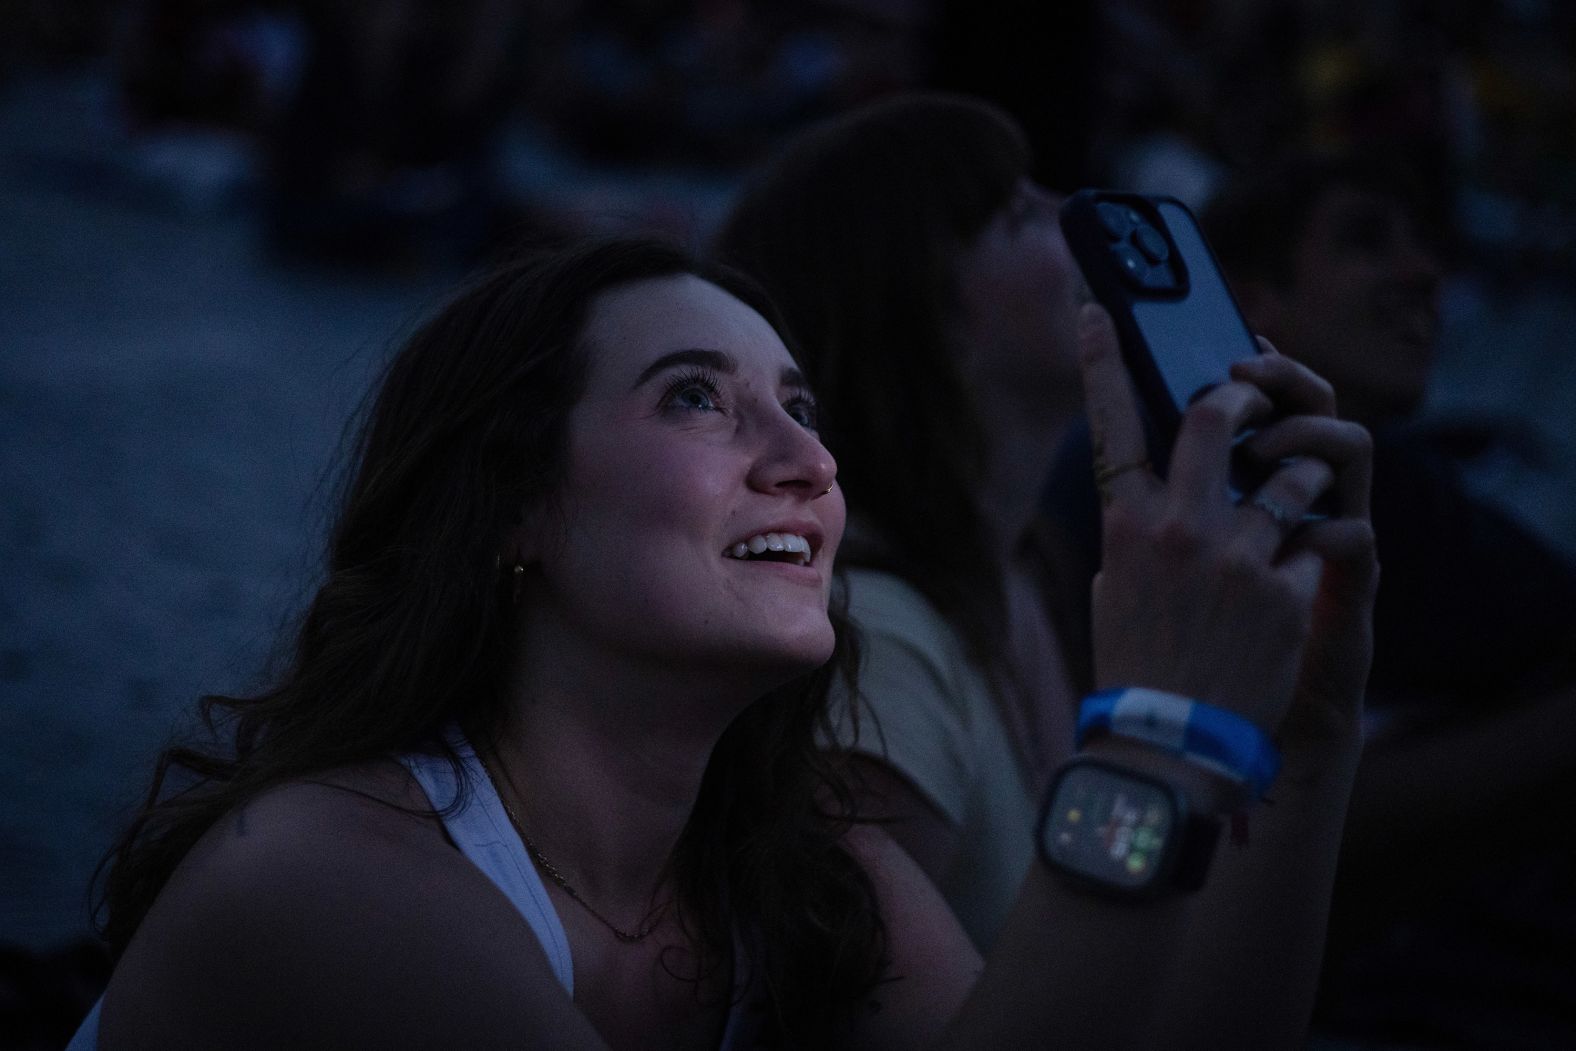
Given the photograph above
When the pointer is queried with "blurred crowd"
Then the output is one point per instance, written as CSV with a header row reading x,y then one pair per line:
x,y
379,124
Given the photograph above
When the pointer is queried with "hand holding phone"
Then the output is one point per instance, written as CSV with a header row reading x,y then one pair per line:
x,y
1146,261
1215,624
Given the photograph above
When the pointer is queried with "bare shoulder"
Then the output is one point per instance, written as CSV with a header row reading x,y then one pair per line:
x,y
324,839
933,964
333,912
353,812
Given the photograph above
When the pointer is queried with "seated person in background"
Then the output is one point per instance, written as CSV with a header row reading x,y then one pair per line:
x,y
1328,260
937,304
1474,673
927,281
544,770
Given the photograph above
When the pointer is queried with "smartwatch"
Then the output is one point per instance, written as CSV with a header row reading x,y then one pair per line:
x,y
1113,830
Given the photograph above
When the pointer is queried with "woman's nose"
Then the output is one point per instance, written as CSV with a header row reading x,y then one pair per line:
x,y
792,459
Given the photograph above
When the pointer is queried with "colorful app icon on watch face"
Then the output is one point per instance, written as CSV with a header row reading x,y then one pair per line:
x,y
1110,828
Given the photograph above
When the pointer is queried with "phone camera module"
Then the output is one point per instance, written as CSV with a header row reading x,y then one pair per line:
x,y
1140,250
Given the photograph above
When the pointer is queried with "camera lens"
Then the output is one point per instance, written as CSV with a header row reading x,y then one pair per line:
x,y
1132,264
1117,219
1152,243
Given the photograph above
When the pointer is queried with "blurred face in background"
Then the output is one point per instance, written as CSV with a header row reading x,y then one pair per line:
x,y
1362,307
1018,287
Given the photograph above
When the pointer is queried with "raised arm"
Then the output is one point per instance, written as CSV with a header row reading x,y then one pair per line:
x,y
1213,601
1252,959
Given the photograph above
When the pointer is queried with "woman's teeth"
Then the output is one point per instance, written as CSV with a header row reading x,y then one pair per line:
x,y
790,544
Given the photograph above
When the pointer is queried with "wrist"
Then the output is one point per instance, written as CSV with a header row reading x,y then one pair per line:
x,y
1208,737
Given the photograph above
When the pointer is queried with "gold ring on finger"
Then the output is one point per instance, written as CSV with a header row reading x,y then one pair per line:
x,y
1104,473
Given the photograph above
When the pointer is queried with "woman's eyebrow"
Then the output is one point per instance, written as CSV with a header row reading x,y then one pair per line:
x,y
792,377
711,359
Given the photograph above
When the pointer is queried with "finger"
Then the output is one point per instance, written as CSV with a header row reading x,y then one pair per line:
x,y
1345,446
1115,428
1293,387
1345,540
1201,458
1304,570
1275,511
1348,553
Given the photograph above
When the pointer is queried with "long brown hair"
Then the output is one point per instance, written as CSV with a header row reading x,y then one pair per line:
x,y
413,629
854,228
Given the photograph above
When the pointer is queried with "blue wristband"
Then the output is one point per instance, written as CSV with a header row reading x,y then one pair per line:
x,y
1204,735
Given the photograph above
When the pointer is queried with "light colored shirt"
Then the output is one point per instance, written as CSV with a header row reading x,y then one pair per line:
x,y
930,713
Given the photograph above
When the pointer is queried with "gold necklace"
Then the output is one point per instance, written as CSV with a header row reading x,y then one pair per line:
x,y
653,918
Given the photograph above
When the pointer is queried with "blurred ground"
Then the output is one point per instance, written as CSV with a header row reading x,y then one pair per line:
x,y
169,399
171,396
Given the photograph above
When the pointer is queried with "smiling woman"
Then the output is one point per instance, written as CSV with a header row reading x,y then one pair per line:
x,y
695,435
545,770
534,565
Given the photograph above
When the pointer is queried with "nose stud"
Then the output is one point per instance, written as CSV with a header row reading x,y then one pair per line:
x,y
828,489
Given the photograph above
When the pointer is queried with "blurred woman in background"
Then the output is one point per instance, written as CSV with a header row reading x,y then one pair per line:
x,y
937,305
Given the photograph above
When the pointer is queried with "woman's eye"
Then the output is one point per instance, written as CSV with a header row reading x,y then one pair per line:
x,y
695,398
693,392
804,413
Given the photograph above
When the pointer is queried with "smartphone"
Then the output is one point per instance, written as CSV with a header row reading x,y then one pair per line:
x,y
1146,261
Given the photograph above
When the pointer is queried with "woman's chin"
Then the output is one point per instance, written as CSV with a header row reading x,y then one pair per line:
x,y
799,655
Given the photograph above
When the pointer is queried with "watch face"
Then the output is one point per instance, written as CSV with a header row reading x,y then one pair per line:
x,y
1109,827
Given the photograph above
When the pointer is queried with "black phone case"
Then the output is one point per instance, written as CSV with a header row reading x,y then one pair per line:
x,y
1179,326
